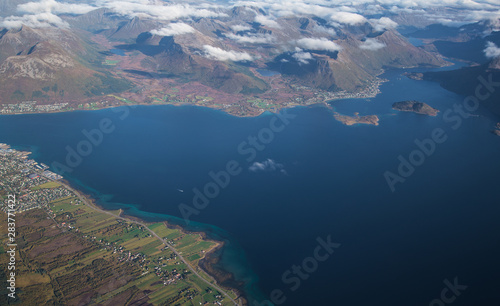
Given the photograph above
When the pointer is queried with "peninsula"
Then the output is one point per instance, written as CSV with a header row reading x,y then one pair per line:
x,y
416,107
69,251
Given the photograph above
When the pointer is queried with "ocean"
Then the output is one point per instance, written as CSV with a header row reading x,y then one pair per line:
x,y
308,213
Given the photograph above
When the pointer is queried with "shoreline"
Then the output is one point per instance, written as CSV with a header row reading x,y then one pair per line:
x,y
353,95
222,278
366,93
140,104
183,105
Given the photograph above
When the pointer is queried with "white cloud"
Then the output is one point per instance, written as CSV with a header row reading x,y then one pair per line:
x,y
383,23
252,38
372,44
266,21
177,28
302,57
52,6
492,50
493,26
477,15
321,29
223,55
337,12
347,18
240,28
351,12
268,165
373,9
43,14
157,10
42,20
318,44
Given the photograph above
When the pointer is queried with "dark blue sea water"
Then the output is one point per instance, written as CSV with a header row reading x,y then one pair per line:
x,y
117,52
325,181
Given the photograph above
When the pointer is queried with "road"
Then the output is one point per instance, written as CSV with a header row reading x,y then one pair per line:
x,y
214,284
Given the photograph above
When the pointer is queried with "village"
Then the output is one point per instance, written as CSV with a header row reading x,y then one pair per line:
x,y
157,259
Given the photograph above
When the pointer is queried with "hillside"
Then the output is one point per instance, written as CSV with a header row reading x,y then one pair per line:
x,y
465,81
415,107
51,65
236,58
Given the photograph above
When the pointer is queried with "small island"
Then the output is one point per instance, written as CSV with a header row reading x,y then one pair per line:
x,y
356,119
417,76
496,131
416,107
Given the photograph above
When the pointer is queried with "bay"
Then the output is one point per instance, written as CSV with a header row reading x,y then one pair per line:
x,y
327,183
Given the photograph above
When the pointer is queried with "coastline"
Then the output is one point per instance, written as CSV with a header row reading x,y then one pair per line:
x,y
224,279
132,211
184,105
158,233
210,260
370,91
143,104
208,263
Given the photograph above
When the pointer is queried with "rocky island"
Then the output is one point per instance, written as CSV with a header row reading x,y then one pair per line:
x,y
416,107
417,76
356,119
496,131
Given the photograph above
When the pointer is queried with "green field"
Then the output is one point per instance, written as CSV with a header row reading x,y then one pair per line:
x,y
123,99
110,62
111,259
48,185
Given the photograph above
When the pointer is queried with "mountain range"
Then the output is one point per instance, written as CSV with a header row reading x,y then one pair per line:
x,y
233,54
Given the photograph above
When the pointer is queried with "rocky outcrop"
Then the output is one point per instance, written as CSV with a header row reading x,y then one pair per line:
x,y
356,119
416,107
